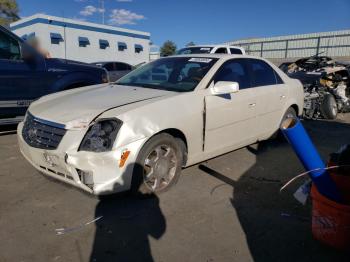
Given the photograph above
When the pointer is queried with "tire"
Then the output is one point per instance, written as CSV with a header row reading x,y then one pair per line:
x,y
158,165
329,108
290,113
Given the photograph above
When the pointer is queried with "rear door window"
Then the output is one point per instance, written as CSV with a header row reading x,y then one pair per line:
x,y
262,73
109,66
236,51
122,67
221,50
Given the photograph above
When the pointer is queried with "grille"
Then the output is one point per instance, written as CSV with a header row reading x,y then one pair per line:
x,y
42,134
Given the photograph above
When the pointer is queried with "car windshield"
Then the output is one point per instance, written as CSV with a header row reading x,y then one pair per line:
x,y
195,50
180,74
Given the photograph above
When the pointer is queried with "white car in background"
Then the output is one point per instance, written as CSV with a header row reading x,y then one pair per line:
x,y
211,49
139,132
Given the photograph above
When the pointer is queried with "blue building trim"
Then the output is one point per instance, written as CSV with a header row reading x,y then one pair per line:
x,y
77,26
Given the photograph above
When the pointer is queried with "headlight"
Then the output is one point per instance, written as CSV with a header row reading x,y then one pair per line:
x,y
101,135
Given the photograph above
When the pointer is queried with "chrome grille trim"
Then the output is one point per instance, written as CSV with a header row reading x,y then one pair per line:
x,y
42,134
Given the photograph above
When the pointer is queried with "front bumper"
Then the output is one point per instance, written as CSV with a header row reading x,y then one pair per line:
x,y
96,173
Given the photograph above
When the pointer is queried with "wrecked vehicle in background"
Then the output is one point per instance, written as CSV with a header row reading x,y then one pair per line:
x,y
326,85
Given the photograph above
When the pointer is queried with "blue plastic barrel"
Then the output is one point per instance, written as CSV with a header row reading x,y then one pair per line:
x,y
301,143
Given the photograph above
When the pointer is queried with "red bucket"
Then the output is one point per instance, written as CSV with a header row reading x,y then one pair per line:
x,y
331,220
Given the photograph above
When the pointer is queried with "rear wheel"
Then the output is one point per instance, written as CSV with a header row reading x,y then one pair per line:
x,y
329,108
290,113
158,165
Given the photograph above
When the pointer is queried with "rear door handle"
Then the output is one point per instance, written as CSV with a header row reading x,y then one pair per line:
x,y
282,96
252,104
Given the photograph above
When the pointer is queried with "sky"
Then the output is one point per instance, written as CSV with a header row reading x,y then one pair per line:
x,y
200,21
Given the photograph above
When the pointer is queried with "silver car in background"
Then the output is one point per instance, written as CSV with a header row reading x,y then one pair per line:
x,y
115,70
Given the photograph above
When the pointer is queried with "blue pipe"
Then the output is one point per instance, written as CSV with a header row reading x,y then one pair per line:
x,y
308,155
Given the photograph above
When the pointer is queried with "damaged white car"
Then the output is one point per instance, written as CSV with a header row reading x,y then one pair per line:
x,y
174,112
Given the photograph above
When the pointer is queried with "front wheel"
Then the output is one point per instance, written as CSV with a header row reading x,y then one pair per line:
x,y
158,165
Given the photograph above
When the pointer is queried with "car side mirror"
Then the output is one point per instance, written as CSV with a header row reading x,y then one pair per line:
x,y
225,87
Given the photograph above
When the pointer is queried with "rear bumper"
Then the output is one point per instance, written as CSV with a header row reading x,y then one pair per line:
x,y
96,173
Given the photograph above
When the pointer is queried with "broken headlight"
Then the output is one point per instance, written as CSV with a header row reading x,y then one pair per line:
x,y
101,135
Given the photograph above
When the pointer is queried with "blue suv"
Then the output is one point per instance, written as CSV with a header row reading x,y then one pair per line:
x,y
25,75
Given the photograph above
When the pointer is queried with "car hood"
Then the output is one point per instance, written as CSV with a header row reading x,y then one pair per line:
x,y
64,65
86,103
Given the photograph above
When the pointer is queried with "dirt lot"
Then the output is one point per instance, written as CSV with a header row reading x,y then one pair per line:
x,y
228,209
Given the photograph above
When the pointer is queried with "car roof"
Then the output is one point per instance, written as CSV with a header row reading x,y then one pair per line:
x,y
213,46
219,56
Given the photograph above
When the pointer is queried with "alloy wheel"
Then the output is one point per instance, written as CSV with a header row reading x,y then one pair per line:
x,y
160,167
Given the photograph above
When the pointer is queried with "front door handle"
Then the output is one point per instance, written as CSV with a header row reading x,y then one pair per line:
x,y
252,104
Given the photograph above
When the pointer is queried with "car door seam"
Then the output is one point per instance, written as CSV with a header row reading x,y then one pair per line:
x,y
204,123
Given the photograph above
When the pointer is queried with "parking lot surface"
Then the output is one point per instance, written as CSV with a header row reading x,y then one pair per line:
x,y
227,209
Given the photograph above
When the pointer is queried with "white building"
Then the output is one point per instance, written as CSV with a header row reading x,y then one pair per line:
x,y
154,56
83,41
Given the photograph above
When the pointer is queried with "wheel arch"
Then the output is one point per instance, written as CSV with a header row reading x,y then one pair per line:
x,y
290,105
296,108
176,133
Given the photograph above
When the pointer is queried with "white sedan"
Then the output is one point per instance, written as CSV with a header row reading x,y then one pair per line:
x,y
139,132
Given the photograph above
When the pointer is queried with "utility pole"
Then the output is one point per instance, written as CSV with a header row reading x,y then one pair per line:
x,y
64,36
103,10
